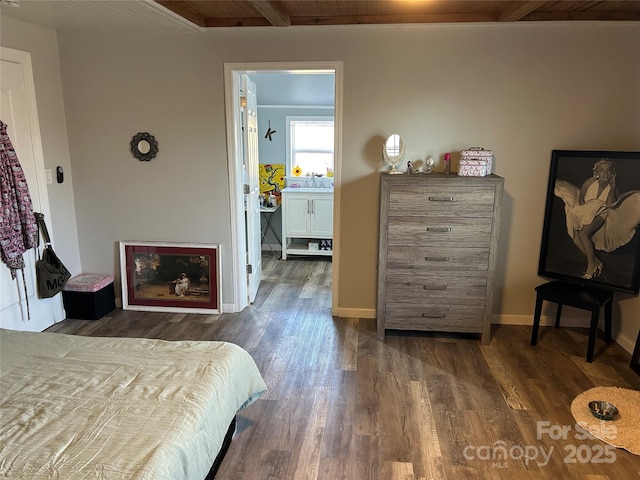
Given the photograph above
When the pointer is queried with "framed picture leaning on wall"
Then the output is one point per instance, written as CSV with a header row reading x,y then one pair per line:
x,y
170,277
590,232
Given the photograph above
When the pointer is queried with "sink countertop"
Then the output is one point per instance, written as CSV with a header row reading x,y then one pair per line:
x,y
307,190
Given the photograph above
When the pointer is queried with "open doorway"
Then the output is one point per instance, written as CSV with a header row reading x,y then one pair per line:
x,y
234,74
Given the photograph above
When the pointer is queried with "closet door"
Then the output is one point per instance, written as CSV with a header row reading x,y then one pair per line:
x,y
18,110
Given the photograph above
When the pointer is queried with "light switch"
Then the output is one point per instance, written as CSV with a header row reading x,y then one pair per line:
x,y
47,172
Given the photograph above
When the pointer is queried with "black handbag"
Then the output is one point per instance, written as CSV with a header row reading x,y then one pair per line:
x,y
51,274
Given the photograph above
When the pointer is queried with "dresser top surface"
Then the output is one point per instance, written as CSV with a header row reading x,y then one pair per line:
x,y
439,177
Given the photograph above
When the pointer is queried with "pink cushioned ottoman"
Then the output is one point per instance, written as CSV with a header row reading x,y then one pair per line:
x,y
89,296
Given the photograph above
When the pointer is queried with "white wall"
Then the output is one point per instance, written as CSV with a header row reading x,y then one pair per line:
x,y
42,43
519,89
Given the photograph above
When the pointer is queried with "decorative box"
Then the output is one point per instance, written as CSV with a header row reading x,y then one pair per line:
x,y
478,153
326,245
89,296
473,168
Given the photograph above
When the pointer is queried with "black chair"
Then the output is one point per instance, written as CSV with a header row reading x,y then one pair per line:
x,y
578,296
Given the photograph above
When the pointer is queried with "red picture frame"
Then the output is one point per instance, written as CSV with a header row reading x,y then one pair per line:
x,y
170,277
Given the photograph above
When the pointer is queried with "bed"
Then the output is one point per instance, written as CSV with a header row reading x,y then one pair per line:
x,y
74,407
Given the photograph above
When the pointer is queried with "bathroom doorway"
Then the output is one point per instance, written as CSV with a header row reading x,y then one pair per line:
x,y
240,243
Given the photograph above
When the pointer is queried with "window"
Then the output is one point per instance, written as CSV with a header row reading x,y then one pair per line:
x,y
309,144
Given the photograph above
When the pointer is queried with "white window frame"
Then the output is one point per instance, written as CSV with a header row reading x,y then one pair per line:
x,y
305,118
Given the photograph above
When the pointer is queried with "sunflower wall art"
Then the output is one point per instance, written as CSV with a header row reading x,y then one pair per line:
x,y
271,178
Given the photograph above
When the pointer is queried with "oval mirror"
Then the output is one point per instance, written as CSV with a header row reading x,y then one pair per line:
x,y
393,145
393,152
144,146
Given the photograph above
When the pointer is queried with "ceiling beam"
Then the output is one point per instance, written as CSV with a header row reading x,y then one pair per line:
x,y
516,11
626,16
179,8
395,19
272,12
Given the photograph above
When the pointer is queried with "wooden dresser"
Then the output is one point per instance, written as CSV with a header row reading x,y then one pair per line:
x,y
437,252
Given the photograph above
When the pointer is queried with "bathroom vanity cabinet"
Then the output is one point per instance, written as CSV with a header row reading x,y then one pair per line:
x,y
307,219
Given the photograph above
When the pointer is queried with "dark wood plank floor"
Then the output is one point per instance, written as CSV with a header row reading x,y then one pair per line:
x,y
344,405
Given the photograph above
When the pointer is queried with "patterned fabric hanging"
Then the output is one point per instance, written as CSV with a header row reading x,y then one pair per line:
x,y
18,226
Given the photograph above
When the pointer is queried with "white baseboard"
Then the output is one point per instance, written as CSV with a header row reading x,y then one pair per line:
x,y
545,320
227,308
354,312
628,344
624,341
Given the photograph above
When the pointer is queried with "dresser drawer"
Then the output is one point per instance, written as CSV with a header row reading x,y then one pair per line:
x,y
439,231
441,200
425,259
438,317
430,289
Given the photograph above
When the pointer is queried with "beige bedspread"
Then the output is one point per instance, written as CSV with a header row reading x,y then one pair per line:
x,y
77,407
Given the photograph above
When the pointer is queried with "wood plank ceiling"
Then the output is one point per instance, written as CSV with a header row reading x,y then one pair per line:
x,y
252,13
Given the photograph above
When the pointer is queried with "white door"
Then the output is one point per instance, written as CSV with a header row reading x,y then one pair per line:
x,y
18,110
252,188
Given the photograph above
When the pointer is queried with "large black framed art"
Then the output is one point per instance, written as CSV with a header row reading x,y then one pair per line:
x,y
590,233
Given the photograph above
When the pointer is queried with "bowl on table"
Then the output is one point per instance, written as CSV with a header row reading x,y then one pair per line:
x,y
603,410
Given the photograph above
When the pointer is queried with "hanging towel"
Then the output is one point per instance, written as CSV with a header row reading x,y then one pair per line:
x,y
18,226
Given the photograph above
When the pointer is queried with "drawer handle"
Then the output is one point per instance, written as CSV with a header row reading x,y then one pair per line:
x,y
433,315
436,259
441,199
438,229
434,287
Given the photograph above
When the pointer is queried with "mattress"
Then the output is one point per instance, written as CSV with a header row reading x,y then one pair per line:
x,y
74,407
